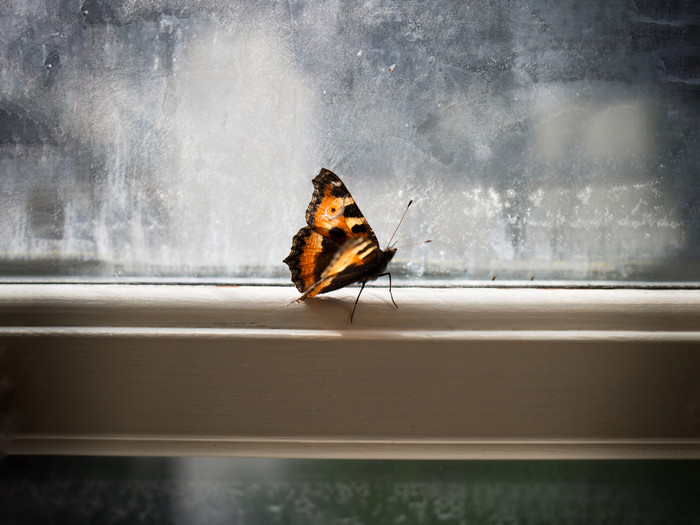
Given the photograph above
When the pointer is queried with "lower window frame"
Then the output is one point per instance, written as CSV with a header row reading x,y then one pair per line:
x,y
453,373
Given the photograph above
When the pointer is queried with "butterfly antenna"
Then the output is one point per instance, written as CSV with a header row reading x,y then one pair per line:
x,y
399,224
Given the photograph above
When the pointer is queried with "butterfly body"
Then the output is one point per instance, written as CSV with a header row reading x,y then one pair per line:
x,y
337,247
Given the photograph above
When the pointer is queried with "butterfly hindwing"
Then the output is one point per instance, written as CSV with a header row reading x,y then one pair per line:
x,y
355,261
310,256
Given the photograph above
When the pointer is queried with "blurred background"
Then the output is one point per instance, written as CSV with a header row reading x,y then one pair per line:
x,y
541,140
244,491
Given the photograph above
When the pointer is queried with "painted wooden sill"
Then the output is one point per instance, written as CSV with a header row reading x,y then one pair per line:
x,y
453,373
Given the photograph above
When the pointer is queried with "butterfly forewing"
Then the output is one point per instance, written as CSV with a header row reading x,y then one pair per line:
x,y
333,212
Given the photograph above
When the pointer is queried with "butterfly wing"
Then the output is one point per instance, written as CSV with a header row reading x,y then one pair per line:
x,y
356,260
310,256
338,247
333,212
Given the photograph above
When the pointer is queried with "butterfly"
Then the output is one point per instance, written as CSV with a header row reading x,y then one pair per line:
x,y
337,247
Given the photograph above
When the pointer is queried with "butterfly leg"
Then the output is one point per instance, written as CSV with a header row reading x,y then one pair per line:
x,y
390,294
355,305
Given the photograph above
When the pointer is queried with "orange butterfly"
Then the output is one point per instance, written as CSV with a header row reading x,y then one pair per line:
x,y
338,247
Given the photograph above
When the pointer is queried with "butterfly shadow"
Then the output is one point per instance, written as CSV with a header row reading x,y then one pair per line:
x,y
325,306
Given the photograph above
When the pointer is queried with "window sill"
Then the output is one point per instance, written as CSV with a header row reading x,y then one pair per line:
x,y
453,373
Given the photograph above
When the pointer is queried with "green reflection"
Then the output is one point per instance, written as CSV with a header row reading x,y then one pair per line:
x,y
271,491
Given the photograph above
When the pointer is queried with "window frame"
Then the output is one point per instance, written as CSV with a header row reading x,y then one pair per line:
x,y
459,373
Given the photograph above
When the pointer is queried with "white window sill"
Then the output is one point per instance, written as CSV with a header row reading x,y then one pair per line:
x,y
453,373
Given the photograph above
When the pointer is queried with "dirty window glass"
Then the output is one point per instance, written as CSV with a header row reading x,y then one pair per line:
x,y
540,140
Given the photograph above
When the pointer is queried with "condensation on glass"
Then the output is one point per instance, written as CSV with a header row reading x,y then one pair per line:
x,y
540,140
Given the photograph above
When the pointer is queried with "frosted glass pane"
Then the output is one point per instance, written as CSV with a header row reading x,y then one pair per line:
x,y
540,140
